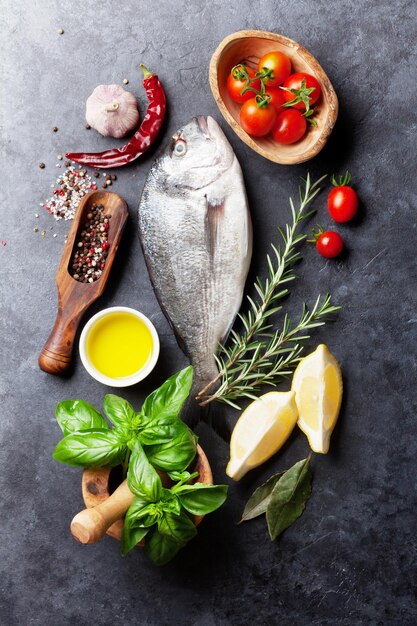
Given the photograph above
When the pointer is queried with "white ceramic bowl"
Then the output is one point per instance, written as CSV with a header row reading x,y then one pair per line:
x,y
124,381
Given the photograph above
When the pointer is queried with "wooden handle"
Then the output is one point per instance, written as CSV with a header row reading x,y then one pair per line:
x,y
55,356
90,525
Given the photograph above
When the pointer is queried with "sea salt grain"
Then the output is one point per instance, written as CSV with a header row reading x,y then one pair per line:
x,y
70,187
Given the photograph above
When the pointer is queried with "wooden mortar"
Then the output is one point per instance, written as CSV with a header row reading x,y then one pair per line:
x,y
105,511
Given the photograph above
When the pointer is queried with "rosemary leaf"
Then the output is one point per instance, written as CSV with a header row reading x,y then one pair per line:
x,y
259,356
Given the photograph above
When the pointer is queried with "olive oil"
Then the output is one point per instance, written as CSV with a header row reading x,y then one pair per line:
x,y
119,345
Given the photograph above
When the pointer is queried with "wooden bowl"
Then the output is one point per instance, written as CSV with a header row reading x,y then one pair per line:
x,y
96,489
248,46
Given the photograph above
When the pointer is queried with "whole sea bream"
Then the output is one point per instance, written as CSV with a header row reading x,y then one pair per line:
x,y
196,235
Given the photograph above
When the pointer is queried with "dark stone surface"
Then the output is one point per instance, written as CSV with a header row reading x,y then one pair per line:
x,y
351,558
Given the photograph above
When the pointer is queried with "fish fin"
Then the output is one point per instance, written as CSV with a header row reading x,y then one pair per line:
x,y
213,415
214,214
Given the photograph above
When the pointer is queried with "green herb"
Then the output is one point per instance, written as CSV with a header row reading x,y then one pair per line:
x,y
283,498
142,477
118,410
160,515
168,442
90,448
258,356
199,499
162,547
182,477
259,500
289,498
77,415
174,455
169,398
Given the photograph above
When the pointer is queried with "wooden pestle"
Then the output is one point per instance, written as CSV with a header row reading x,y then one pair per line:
x,y
106,511
90,525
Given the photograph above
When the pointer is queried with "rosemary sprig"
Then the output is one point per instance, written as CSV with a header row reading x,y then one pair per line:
x,y
257,357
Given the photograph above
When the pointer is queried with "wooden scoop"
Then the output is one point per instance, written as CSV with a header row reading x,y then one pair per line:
x,y
74,297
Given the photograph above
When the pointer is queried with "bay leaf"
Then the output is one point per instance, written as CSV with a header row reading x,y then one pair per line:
x,y
259,500
289,497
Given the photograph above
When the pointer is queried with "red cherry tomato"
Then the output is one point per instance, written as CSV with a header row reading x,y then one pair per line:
x,y
279,65
257,120
342,201
277,97
236,82
329,244
295,81
289,127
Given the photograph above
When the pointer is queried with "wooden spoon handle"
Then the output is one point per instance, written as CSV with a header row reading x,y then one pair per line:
x,y
90,525
55,356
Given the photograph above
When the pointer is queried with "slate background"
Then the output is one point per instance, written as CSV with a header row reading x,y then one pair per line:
x,y
351,557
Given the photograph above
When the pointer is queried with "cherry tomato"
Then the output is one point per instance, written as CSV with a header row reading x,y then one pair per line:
x,y
295,81
279,65
277,97
255,119
329,244
342,201
289,127
236,82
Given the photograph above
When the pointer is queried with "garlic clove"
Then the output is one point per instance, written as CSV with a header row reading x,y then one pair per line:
x,y
112,111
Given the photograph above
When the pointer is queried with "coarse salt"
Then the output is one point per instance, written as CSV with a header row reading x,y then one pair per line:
x,y
65,198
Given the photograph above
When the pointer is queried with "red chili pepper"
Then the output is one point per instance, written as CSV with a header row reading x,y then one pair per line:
x,y
143,137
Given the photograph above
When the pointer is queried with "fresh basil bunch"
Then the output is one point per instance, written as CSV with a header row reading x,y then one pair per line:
x,y
164,516
167,442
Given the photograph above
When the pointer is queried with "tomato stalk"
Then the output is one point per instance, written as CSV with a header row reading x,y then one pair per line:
x,y
239,72
308,115
264,75
316,233
343,180
301,95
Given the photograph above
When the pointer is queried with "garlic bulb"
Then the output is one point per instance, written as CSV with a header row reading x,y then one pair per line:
x,y
112,111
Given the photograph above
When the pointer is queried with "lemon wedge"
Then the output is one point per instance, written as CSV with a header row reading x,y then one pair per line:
x,y
318,386
261,430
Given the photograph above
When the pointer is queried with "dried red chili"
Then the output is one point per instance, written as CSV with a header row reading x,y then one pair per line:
x,y
143,137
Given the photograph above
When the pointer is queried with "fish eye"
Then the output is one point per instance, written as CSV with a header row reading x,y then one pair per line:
x,y
180,147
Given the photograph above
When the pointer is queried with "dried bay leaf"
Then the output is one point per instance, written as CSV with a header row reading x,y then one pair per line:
x,y
289,497
259,500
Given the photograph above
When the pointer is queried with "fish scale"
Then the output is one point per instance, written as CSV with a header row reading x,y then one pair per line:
x,y
196,236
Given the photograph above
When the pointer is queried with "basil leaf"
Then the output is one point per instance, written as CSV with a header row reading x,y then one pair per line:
x,y
131,537
77,415
179,527
168,399
289,497
141,477
119,411
259,500
90,448
182,477
161,548
170,502
177,454
161,431
140,513
200,499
